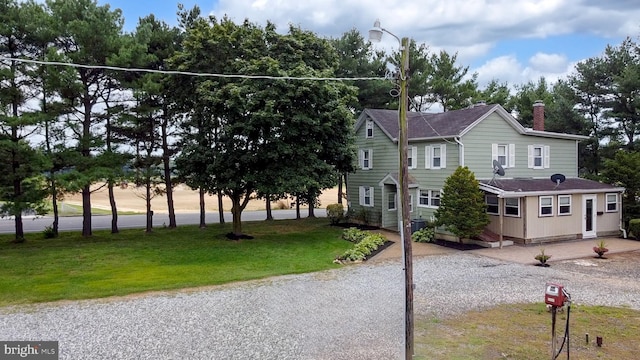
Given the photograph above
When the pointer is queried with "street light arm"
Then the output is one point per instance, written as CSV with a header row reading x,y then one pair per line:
x,y
392,34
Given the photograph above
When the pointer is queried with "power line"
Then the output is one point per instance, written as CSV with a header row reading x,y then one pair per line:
x,y
188,73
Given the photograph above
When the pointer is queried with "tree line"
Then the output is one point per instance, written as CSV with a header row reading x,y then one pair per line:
x,y
64,129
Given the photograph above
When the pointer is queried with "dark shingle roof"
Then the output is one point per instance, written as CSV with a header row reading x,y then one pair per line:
x,y
427,125
546,185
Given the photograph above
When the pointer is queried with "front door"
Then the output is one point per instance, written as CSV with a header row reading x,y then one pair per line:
x,y
588,216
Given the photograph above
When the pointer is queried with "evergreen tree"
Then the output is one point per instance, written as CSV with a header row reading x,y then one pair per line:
x,y
462,208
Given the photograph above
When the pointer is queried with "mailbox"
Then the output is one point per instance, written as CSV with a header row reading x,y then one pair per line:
x,y
554,295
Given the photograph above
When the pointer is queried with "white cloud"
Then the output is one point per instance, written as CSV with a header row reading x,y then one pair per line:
x,y
503,68
470,28
508,69
549,62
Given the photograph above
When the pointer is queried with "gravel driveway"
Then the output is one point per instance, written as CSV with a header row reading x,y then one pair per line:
x,y
356,312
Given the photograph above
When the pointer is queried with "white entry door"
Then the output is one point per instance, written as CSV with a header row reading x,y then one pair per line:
x,y
589,216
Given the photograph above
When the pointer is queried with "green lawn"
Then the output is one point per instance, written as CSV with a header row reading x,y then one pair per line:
x,y
523,331
72,267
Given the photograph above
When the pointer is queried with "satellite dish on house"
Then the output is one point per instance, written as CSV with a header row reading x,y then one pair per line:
x,y
497,168
558,179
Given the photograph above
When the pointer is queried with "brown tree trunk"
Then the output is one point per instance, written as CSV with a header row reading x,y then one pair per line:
x,y
298,217
86,211
54,204
311,207
17,193
167,170
268,206
149,227
19,228
203,223
236,211
114,209
85,149
220,207
340,179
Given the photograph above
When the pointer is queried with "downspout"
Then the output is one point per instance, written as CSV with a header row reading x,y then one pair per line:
x,y
461,152
624,232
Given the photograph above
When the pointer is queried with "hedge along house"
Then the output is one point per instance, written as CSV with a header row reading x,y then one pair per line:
x,y
525,206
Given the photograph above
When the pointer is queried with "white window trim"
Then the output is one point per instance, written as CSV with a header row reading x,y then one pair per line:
x,y
368,126
505,208
410,203
540,214
496,205
510,150
428,157
395,201
560,213
606,202
545,153
429,198
362,191
361,159
412,152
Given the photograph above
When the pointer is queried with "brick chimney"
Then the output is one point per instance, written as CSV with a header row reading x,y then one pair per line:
x,y
538,115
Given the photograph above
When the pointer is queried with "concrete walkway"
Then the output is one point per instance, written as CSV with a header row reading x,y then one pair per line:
x,y
515,253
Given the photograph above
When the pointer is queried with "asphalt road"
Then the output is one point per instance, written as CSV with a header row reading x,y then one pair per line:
x,y
71,223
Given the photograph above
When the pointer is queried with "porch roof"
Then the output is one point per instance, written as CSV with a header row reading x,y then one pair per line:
x,y
392,179
521,187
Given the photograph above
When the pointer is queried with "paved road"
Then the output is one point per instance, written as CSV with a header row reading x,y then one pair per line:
x,y
37,224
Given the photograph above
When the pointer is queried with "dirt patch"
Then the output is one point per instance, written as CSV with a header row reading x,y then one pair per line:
x,y
185,200
622,265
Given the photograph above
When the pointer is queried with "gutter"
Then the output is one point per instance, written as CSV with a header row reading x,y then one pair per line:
x,y
621,225
461,152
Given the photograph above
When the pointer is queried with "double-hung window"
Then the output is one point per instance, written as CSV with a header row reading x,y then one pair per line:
x,y
612,202
539,156
505,154
391,201
412,157
564,204
429,198
369,128
435,156
512,207
366,195
492,204
546,205
366,159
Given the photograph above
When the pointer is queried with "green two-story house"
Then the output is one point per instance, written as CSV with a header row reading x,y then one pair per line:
x,y
524,204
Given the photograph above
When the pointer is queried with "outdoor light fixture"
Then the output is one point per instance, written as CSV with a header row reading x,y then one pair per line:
x,y
375,35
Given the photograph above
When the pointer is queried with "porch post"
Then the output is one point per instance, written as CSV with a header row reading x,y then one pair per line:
x,y
501,212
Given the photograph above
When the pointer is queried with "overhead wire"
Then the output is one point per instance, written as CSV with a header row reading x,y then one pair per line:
x,y
188,73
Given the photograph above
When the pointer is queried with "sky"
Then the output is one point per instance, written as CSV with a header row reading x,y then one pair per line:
x,y
513,41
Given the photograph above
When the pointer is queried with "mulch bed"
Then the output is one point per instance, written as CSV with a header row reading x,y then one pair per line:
x,y
379,249
457,245
232,236
359,226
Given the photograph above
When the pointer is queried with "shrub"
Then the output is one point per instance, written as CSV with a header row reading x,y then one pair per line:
x,y
354,235
364,248
281,205
634,228
462,209
424,235
362,215
542,257
335,212
48,232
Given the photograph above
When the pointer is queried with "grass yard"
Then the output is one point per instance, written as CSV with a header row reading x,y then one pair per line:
x,y
524,332
71,267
